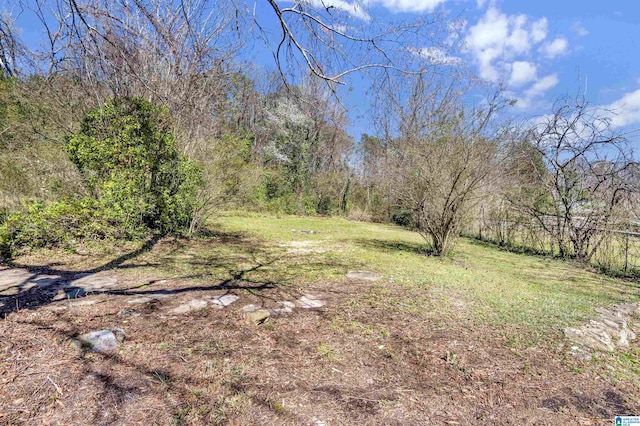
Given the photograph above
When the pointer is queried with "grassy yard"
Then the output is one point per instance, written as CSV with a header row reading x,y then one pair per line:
x,y
474,338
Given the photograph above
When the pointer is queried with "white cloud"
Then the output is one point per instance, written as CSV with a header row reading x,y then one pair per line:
x,y
579,29
543,85
522,72
626,110
498,38
539,88
539,30
438,56
509,48
555,48
408,5
358,8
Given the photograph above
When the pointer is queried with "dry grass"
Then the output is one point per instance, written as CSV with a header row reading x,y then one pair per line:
x,y
424,345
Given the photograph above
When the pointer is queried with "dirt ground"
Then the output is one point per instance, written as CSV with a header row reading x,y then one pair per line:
x,y
363,359
320,366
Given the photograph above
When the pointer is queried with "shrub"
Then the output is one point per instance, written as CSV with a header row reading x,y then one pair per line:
x,y
128,158
404,218
48,225
138,181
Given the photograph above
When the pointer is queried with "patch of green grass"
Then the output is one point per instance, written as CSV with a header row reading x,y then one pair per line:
x,y
492,285
326,351
533,295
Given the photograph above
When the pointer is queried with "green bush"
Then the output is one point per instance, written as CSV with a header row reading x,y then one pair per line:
x,y
138,181
127,155
48,225
404,218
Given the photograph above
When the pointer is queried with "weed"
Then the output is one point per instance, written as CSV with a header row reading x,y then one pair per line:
x,y
326,351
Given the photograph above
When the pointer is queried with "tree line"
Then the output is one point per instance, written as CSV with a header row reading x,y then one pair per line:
x,y
139,116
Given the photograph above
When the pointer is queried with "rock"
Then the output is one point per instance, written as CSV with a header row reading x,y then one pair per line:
x,y
363,275
250,308
259,316
614,328
140,300
92,282
15,281
83,303
104,341
285,308
581,353
22,278
225,300
310,302
69,293
192,305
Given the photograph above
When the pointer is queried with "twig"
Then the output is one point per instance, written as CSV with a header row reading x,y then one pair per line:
x,y
55,385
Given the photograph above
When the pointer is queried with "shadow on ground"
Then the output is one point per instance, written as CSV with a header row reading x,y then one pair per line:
x,y
394,246
33,286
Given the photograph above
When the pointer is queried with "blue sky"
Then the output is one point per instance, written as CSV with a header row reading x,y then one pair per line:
x,y
539,50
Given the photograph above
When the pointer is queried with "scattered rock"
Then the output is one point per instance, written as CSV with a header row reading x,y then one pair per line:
x,y
225,300
311,302
104,341
363,275
614,328
192,305
285,308
259,316
580,353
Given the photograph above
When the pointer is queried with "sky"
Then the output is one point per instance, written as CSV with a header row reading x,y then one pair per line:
x,y
538,49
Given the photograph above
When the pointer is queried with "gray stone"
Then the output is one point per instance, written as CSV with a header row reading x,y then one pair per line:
x,y
14,281
69,293
192,305
250,308
363,275
225,300
140,300
104,341
310,302
614,328
285,308
259,316
83,303
281,311
93,282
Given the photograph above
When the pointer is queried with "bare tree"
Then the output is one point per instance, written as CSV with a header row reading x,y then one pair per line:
x,y
11,48
335,39
575,183
442,158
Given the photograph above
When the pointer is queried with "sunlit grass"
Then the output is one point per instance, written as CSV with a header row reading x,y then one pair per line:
x,y
495,286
